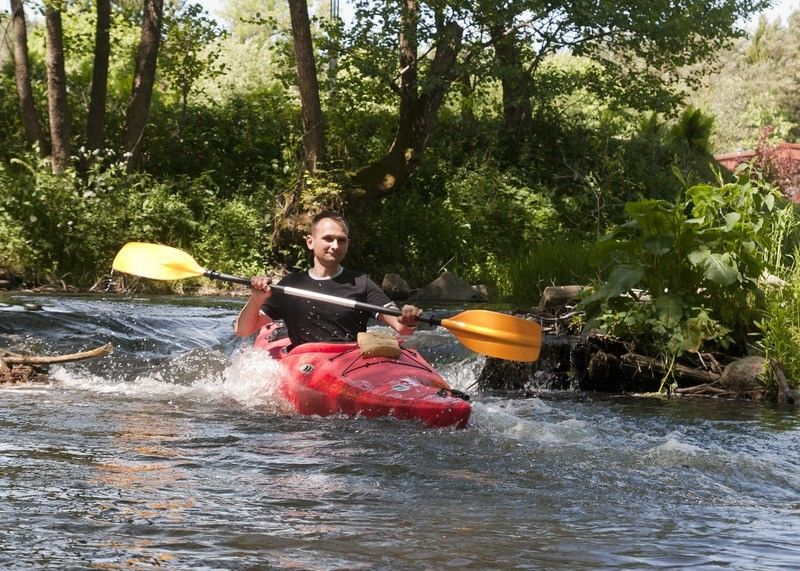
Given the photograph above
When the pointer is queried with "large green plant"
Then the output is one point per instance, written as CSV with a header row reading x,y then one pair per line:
x,y
686,274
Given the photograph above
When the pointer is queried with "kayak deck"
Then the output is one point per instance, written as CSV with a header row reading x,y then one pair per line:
x,y
335,378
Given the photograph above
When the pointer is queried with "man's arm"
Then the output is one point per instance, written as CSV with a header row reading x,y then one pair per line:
x,y
251,318
407,323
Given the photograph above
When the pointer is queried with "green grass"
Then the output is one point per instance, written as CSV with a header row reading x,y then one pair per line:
x,y
561,261
781,323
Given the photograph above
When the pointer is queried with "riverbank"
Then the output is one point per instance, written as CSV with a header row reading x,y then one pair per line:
x,y
570,360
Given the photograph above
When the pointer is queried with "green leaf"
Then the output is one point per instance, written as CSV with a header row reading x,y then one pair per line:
x,y
731,218
659,245
718,268
624,277
669,309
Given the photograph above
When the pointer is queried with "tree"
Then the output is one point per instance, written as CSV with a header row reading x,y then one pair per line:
x,y
517,86
22,74
420,99
313,120
645,52
756,86
143,79
56,89
97,104
189,52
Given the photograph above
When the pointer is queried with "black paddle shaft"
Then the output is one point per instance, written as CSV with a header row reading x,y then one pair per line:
x,y
213,274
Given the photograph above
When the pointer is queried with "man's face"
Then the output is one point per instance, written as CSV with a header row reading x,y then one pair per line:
x,y
329,242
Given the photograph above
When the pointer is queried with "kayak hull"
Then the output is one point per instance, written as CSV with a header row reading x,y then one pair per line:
x,y
334,378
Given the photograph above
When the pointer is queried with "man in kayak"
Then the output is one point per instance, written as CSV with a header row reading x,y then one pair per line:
x,y
311,321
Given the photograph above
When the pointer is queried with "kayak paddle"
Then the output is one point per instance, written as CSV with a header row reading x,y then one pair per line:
x,y
488,332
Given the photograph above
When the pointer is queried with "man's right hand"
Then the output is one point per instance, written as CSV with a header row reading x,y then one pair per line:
x,y
259,287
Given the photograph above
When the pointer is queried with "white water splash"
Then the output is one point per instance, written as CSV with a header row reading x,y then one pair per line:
x,y
251,379
512,419
462,375
674,450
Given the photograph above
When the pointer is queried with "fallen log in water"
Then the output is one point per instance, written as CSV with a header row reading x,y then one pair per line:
x,y
17,368
16,359
681,373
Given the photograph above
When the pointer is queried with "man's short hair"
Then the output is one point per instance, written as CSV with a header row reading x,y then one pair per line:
x,y
333,215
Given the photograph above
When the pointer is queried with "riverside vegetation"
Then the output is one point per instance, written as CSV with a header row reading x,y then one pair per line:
x,y
537,158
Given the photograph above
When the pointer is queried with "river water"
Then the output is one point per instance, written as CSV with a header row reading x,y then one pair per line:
x,y
177,451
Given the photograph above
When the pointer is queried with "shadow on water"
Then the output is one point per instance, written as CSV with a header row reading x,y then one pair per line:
x,y
178,451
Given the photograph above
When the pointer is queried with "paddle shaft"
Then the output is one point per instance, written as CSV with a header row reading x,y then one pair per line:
x,y
306,294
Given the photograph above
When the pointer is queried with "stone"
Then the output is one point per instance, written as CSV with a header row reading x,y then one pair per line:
x,y
744,377
556,297
395,286
483,291
447,287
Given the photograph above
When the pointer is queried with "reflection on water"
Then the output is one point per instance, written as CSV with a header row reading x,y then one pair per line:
x,y
178,451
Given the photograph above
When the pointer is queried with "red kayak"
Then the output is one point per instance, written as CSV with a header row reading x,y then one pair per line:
x,y
335,378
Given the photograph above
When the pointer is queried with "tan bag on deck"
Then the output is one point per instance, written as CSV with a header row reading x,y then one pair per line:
x,y
378,344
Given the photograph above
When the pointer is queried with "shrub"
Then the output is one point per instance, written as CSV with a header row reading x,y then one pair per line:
x,y
17,256
232,238
472,221
698,261
73,224
780,325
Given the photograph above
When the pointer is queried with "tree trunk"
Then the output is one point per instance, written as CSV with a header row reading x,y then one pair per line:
x,y
313,121
143,80
95,124
418,107
22,73
517,89
56,90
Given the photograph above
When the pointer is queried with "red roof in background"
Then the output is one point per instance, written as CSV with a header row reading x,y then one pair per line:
x,y
784,151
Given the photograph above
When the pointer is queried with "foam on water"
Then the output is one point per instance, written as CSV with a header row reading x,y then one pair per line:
x,y
249,379
515,420
673,450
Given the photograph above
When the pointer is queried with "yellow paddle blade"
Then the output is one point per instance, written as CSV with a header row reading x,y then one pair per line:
x,y
497,334
156,262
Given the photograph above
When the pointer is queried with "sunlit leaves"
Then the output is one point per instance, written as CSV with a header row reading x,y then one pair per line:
x,y
687,281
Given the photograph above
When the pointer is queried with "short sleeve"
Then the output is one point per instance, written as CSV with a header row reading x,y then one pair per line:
x,y
375,295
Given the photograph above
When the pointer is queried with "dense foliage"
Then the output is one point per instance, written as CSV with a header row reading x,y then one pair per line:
x,y
686,274
755,85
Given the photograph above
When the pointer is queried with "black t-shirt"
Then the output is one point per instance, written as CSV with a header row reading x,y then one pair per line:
x,y
309,321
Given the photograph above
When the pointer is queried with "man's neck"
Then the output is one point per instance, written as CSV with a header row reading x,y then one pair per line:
x,y
320,272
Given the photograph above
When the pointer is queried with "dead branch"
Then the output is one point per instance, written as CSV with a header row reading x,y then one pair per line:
x,y
681,373
13,359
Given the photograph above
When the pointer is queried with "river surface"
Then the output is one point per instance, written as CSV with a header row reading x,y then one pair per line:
x,y
178,451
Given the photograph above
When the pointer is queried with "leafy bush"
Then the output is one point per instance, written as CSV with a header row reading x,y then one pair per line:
x,y
16,254
232,238
472,221
780,323
685,275
73,224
